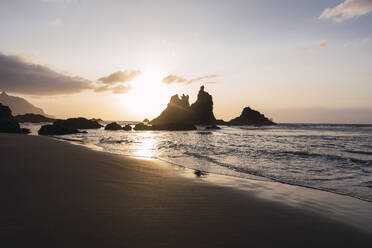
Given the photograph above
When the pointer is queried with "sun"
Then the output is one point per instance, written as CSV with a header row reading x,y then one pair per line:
x,y
148,96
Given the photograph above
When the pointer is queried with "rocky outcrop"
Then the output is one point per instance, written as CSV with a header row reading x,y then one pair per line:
x,y
96,119
146,120
127,127
214,127
69,126
179,115
113,126
8,124
221,122
56,130
78,123
33,118
202,109
177,112
140,127
251,117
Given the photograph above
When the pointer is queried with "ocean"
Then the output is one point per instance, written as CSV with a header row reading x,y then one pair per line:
x,y
330,157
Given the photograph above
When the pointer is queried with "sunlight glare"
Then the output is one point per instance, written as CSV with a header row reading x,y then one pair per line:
x,y
149,96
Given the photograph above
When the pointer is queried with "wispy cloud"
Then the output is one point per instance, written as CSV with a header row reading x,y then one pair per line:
x,y
347,10
19,76
178,79
120,89
56,22
119,77
316,47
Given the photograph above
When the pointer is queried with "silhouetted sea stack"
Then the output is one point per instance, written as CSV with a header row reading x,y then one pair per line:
x,y
69,126
33,118
251,117
113,126
179,115
202,109
177,112
8,124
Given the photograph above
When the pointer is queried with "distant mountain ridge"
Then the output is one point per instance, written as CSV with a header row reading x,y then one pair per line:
x,y
20,106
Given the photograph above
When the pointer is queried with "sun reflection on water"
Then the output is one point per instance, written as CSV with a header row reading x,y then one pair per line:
x,y
146,145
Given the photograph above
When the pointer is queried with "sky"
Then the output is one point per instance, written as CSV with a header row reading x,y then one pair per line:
x,y
293,60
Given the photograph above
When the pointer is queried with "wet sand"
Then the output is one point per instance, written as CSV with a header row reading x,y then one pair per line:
x,y
55,194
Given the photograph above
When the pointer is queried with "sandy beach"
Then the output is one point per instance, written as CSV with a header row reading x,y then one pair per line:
x,y
56,194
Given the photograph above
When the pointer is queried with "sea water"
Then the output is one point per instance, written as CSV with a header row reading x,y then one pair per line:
x,y
335,158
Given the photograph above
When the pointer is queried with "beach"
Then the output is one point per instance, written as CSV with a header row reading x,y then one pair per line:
x,y
56,194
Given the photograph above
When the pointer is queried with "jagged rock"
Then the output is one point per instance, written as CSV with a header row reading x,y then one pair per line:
x,y
215,127
146,120
251,117
221,122
127,127
56,130
77,123
96,119
113,126
179,115
202,109
8,124
177,112
33,118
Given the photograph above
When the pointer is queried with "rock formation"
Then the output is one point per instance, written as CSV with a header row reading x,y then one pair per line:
x,y
179,115
127,127
214,127
113,126
96,119
69,126
78,123
177,112
202,109
33,118
251,117
146,120
56,130
20,106
8,124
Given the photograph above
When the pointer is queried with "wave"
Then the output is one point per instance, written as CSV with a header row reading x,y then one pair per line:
x,y
359,152
328,157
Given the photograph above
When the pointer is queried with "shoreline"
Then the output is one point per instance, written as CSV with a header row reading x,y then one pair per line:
x,y
345,210
338,206
60,191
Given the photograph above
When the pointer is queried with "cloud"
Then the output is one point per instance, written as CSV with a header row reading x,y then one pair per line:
x,y
19,76
119,77
56,22
120,89
174,79
178,79
347,10
316,47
